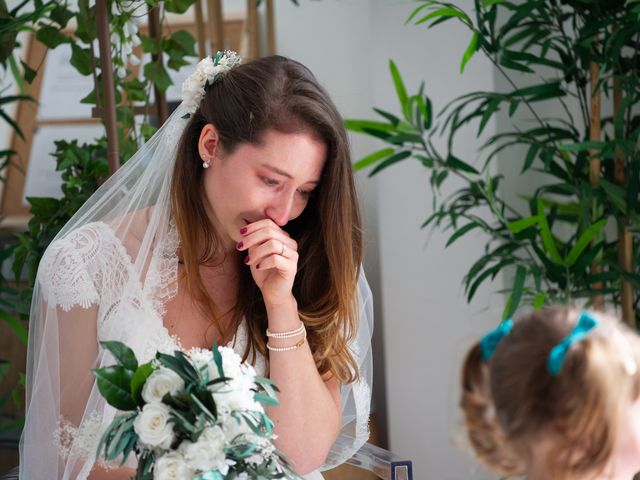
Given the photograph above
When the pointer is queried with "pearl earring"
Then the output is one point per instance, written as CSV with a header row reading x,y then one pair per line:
x,y
205,164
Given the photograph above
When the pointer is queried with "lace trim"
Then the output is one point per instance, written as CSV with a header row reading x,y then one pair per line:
x,y
161,283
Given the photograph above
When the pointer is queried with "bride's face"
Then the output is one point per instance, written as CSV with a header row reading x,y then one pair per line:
x,y
271,180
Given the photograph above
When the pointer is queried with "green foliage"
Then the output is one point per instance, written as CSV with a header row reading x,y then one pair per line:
x,y
556,248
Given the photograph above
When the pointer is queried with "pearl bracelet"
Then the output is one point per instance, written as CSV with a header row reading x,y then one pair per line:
x,y
290,334
288,348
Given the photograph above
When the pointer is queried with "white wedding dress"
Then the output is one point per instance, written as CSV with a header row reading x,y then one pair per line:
x,y
97,286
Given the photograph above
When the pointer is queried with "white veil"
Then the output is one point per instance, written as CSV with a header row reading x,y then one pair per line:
x,y
107,276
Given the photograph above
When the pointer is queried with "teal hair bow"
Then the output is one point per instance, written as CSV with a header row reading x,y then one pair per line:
x,y
491,340
586,323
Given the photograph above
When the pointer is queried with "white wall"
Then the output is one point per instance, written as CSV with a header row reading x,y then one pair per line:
x,y
426,321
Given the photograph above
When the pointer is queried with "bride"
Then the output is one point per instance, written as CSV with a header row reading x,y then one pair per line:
x,y
237,222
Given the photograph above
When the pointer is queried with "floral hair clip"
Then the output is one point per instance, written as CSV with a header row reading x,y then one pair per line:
x,y
558,354
208,71
490,341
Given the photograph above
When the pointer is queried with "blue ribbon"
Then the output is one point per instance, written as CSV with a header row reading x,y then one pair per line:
x,y
491,340
556,358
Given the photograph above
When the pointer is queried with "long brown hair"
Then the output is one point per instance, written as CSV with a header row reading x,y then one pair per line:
x,y
512,402
279,94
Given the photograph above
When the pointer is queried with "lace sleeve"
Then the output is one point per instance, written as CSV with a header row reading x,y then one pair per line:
x,y
63,274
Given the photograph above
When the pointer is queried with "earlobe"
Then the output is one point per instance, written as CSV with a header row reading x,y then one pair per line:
x,y
208,144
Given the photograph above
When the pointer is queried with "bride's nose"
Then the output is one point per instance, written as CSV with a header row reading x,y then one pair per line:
x,y
280,209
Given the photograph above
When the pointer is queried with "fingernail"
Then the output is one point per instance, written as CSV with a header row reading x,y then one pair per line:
x,y
257,266
239,245
247,260
243,230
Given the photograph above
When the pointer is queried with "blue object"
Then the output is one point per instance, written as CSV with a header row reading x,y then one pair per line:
x,y
491,340
586,323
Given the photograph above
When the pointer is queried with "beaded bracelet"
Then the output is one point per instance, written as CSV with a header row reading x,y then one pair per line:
x,y
289,348
290,334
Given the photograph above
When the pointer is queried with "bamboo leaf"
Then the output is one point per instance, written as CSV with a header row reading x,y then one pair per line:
x,y
365,126
584,241
519,225
472,48
372,158
516,292
457,164
545,234
538,302
399,84
390,161
462,231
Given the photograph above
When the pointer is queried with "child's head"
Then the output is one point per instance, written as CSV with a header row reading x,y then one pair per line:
x,y
570,414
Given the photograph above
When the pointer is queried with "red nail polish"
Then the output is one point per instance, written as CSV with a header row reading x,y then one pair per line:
x,y
257,266
239,245
247,260
243,230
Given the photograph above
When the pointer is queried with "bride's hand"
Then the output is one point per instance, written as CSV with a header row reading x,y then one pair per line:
x,y
273,259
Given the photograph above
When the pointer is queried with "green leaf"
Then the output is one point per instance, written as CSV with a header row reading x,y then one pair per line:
x,y
29,73
616,194
516,292
123,354
584,241
81,58
582,146
547,239
392,118
138,380
538,302
472,48
15,325
445,12
461,231
158,75
366,126
114,384
217,358
372,158
390,161
51,37
61,15
518,226
186,42
397,81
177,6
457,164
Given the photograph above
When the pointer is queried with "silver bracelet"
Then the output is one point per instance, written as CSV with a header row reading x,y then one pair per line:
x,y
290,334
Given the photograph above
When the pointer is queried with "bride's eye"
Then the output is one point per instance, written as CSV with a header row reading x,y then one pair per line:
x,y
270,181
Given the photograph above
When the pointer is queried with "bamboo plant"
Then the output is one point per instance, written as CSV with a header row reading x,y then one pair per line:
x,y
577,238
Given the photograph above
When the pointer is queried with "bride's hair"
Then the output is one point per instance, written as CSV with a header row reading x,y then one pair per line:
x,y
511,401
280,94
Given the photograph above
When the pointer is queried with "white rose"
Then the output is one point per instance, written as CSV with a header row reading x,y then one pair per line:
x,y
208,452
233,426
153,427
160,382
171,467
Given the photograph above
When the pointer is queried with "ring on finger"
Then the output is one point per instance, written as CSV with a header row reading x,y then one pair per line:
x,y
283,249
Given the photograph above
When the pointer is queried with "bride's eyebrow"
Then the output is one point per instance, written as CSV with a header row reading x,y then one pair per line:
x,y
284,174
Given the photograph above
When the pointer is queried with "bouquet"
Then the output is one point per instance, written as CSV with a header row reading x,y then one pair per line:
x,y
195,416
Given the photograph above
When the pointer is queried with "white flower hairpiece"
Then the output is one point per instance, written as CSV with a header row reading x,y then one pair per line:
x,y
209,70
